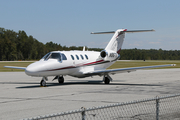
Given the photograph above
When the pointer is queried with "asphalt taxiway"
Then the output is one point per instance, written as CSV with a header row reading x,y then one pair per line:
x,y
22,97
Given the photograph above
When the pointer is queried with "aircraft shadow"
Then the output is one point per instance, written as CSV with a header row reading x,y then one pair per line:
x,y
17,83
86,83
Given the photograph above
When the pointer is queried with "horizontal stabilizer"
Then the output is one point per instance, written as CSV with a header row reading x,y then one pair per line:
x,y
110,32
126,31
14,67
132,31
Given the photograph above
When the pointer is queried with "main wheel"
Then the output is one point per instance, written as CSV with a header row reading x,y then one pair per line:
x,y
43,83
61,79
106,81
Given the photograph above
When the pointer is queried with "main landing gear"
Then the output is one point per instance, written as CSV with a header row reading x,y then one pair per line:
x,y
44,79
61,79
107,79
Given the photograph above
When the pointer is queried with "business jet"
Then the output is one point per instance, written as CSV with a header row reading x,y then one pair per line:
x,y
83,63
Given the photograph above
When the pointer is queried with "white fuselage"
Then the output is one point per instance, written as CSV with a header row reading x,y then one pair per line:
x,y
75,63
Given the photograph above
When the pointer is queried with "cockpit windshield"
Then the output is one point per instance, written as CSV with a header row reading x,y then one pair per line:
x,y
55,56
46,56
52,56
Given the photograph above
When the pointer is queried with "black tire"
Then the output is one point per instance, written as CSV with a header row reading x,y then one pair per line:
x,y
61,80
43,83
106,81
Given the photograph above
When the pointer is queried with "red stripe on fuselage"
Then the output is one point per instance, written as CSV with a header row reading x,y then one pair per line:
x,y
62,68
77,65
93,62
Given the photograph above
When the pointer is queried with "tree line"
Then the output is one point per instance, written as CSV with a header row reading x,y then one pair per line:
x,y
20,46
152,54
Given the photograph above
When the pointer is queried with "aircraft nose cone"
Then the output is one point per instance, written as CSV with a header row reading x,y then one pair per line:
x,y
29,70
32,70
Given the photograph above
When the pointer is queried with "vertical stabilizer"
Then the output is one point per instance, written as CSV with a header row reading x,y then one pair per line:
x,y
115,44
116,41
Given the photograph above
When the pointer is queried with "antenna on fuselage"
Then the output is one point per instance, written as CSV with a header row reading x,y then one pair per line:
x,y
84,48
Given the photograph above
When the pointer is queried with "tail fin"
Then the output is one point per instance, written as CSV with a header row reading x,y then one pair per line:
x,y
116,41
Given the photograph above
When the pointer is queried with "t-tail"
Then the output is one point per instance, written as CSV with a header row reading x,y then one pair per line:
x,y
116,41
115,44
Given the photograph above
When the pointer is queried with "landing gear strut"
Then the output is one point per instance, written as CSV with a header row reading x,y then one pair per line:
x,y
60,78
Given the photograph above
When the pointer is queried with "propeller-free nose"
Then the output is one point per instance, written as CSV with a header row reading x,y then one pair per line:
x,y
33,69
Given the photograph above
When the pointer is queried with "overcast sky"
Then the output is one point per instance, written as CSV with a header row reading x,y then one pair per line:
x,y
70,22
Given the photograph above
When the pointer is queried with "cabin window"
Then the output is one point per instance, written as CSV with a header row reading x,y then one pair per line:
x,y
63,56
82,57
77,57
55,56
86,57
72,57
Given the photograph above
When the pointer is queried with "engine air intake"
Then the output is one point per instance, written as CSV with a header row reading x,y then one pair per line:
x,y
103,54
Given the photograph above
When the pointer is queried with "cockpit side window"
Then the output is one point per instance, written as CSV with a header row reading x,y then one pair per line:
x,y
46,56
55,56
63,56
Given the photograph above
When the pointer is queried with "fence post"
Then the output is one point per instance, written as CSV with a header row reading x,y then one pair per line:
x,y
83,113
157,108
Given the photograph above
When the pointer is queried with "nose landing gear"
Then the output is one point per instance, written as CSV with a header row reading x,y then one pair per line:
x,y
43,82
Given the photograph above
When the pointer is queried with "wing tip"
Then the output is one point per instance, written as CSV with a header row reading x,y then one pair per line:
x,y
173,64
15,67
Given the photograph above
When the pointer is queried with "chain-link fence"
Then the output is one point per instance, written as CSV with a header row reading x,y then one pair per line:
x,y
158,108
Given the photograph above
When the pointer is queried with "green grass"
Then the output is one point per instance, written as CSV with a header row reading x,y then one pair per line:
x,y
139,63
19,64
118,64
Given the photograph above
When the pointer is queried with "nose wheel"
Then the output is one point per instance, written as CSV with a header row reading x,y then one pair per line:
x,y
43,82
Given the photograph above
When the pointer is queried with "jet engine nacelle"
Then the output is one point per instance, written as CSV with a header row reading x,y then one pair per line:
x,y
109,55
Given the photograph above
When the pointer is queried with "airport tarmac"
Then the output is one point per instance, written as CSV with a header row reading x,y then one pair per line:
x,y
22,97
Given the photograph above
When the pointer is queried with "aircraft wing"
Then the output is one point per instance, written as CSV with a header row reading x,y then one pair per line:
x,y
15,67
121,70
